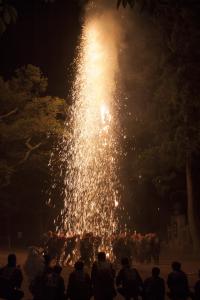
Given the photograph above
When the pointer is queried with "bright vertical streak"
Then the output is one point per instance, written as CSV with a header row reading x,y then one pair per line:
x,y
91,152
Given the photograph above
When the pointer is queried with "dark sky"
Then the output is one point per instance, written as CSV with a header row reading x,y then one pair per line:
x,y
46,35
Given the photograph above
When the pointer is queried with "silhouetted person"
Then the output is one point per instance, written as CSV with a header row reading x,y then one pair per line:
x,y
69,248
37,286
51,245
102,277
47,264
49,285
178,283
156,249
86,249
197,288
97,243
79,284
154,286
128,281
54,287
11,279
33,264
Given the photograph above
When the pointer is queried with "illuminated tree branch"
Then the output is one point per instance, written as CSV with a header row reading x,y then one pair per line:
x,y
12,112
31,148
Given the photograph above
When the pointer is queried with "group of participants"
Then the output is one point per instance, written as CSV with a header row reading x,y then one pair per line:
x,y
102,283
66,248
137,247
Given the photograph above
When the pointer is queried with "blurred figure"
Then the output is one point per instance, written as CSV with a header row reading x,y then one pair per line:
x,y
34,263
61,240
147,248
178,283
96,244
128,281
49,285
197,288
86,249
69,248
38,283
11,279
154,286
51,245
102,277
156,249
79,284
54,287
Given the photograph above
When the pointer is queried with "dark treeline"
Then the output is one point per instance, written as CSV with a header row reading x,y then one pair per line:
x,y
163,131
30,124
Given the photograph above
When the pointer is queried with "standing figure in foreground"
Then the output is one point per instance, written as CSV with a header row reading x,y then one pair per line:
x,y
102,278
128,281
178,283
197,288
48,285
154,286
10,280
79,285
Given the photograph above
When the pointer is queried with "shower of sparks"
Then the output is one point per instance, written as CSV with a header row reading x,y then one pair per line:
x,y
90,148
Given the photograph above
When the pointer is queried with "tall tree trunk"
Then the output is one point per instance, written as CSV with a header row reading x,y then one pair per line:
x,y
192,220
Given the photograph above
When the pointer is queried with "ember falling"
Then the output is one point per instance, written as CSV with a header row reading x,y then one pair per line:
x,y
91,153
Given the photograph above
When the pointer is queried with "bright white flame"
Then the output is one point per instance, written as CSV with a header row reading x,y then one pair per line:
x,y
105,114
90,143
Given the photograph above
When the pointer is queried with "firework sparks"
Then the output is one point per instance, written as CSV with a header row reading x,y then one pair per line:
x,y
91,152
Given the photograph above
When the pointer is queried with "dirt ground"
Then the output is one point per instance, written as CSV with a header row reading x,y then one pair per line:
x,y
190,267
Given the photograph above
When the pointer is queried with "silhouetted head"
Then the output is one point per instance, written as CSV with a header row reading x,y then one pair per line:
x,y
125,262
155,272
101,256
79,265
176,266
12,260
57,269
47,259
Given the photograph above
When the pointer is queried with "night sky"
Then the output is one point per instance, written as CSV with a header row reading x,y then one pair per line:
x,y
45,35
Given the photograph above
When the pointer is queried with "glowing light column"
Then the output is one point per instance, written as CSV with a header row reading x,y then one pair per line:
x,y
91,152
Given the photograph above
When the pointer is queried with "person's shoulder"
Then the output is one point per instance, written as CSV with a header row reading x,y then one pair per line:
x,y
95,264
121,271
18,269
134,270
87,276
2,271
161,280
2,268
170,277
171,274
197,284
147,280
183,274
17,272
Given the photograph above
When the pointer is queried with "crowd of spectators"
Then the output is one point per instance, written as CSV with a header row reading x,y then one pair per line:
x,y
103,282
